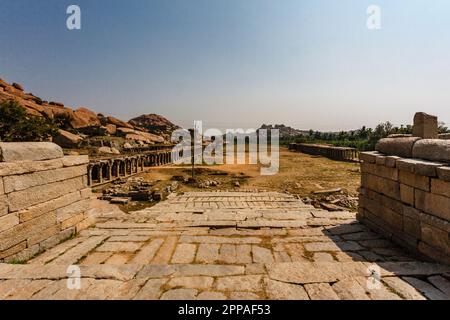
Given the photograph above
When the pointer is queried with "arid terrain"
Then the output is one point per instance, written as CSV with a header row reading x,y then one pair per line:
x,y
311,178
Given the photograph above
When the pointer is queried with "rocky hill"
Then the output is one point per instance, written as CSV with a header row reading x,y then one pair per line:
x,y
154,124
285,132
78,126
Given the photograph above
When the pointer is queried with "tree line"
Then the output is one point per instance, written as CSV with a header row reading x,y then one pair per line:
x,y
363,139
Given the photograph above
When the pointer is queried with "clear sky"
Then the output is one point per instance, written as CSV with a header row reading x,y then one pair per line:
x,y
235,63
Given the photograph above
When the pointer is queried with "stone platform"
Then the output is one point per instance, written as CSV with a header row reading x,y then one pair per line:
x,y
227,245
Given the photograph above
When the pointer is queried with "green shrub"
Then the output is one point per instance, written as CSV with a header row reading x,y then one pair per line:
x,y
18,126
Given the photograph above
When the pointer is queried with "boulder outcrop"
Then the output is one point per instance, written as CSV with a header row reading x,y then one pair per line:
x,y
84,118
67,139
154,124
146,129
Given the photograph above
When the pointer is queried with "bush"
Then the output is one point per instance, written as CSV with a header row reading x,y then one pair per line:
x,y
18,126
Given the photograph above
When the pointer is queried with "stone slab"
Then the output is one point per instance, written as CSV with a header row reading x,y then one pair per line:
x,y
34,151
19,200
25,181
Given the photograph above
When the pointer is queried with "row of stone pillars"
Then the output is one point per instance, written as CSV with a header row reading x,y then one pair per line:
x,y
335,153
107,170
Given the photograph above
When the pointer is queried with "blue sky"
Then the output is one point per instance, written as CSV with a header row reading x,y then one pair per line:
x,y
235,63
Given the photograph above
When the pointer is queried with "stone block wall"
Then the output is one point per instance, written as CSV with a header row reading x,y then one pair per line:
x,y
44,198
407,200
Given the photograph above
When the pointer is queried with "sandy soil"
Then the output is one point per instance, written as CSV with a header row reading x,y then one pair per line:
x,y
299,174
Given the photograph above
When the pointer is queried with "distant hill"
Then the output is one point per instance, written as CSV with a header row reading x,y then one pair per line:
x,y
78,125
285,132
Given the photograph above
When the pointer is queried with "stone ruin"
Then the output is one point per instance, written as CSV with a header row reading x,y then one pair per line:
x,y
405,194
44,198
405,190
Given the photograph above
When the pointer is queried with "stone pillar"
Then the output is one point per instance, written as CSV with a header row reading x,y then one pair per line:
x,y
425,126
100,173
89,175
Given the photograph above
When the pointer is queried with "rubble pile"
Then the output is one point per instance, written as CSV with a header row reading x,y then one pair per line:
x,y
338,201
135,189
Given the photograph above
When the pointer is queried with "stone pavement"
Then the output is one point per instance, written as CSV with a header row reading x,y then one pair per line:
x,y
227,245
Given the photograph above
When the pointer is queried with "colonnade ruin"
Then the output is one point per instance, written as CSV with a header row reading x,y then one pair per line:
x,y
102,171
331,152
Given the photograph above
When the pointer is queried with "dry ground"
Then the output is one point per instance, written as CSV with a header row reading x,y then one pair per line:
x,y
300,174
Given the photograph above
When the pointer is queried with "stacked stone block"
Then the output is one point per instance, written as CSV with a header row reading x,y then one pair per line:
x,y
405,193
44,198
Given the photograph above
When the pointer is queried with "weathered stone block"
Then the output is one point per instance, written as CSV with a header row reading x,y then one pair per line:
x,y
19,200
69,211
374,224
16,168
436,238
52,205
35,151
444,173
412,227
381,171
43,235
407,194
2,189
3,205
434,221
86,193
56,239
411,212
386,201
407,165
24,255
70,161
13,250
391,161
440,187
25,230
401,147
380,160
433,204
25,181
386,215
406,241
432,149
84,224
414,180
72,220
8,221
427,168
370,156
433,253
387,187
411,221
425,126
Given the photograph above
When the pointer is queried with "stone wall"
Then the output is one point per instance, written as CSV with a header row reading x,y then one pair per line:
x,y
43,198
405,191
